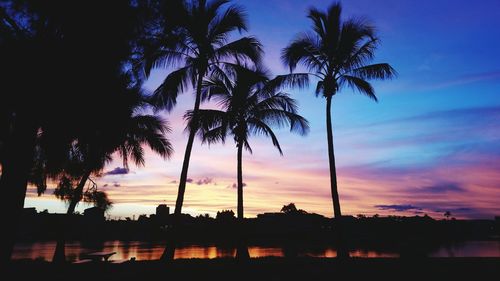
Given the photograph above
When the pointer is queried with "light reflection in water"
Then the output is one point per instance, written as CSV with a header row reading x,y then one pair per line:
x,y
126,250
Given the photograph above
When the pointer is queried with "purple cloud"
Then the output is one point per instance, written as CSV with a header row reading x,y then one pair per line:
x,y
398,208
204,181
235,185
117,171
443,188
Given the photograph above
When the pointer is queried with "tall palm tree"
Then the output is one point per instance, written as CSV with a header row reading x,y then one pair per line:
x,y
199,42
252,104
339,54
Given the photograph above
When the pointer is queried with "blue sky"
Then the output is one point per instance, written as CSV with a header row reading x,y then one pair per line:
x,y
431,144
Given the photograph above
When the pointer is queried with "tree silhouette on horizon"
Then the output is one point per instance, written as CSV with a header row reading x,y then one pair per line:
x,y
251,104
338,54
200,46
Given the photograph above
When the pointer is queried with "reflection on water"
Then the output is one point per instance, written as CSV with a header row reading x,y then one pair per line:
x,y
126,250
470,249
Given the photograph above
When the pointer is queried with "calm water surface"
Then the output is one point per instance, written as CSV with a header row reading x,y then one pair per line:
x,y
153,250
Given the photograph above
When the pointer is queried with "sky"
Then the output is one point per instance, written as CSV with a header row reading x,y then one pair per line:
x,y
431,144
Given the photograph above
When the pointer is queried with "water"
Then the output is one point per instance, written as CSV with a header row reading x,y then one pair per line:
x,y
152,250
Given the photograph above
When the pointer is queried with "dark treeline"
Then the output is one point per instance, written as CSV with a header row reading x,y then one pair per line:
x,y
406,235
72,97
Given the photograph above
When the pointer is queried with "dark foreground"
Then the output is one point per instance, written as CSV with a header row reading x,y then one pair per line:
x,y
263,269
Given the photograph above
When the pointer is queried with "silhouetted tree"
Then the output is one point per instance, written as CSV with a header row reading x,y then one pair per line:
x,y
225,215
94,149
63,68
338,54
447,214
197,38
290,208
252,103
200,44
66,191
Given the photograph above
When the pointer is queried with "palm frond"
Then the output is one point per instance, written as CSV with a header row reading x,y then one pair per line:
x,y
359,56
281,118
380,71
259,127
205,120
150,123
211,8
304,49
279,101
246,48
332,24
234,18
319,19
354,33
214,135
247,146
165,96
136,152
292,80
151,130
319,88
163,54
356,83
218,86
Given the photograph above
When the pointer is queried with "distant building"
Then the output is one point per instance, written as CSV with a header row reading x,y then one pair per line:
x,y
94,214
270,215
162,211
31,212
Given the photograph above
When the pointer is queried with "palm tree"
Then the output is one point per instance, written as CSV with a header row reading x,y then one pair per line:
x,y
199,42
338,53
252,104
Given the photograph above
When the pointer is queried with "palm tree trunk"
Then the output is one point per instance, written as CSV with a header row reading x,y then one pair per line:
x,y
60,252
331,157
16,166
342,249
169,252
242,249
240,182
189,147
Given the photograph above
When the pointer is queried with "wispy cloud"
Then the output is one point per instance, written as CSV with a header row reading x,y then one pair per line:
x,y
465,79
440,188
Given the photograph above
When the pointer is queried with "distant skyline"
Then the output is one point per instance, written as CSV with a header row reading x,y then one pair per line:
x,y
431,144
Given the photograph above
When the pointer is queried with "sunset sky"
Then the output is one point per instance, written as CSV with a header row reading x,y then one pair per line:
x,y
431,144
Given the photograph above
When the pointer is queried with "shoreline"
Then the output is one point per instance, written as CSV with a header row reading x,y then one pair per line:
x,y
270,268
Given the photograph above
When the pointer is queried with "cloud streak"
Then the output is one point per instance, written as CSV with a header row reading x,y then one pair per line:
x,y
397,208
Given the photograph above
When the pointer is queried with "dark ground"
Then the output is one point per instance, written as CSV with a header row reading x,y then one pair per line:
x,y
263,269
